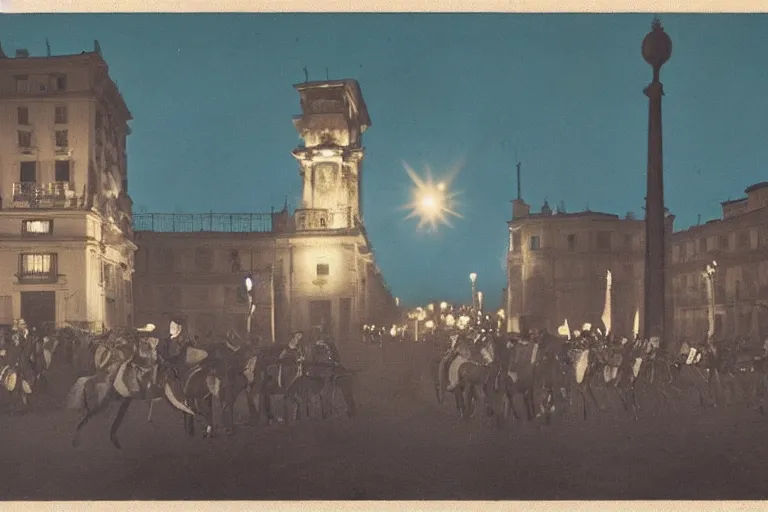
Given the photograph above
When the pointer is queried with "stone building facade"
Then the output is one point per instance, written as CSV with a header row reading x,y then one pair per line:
x,y
65,213
313,269
557,264
738,243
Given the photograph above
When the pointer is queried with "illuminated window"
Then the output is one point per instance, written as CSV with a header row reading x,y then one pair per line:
x,y
535,243
37,227
323,269
61,115
39,267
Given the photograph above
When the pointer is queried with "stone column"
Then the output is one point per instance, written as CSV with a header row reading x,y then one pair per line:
x,y
656,50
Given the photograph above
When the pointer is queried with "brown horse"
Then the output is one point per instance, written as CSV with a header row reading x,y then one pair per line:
x,y
470,367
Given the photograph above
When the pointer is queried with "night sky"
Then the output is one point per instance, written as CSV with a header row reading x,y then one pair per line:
x,y
212,98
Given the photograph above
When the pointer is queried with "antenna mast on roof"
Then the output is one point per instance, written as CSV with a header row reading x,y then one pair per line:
x,y
519,189
326,74
48,47
306,75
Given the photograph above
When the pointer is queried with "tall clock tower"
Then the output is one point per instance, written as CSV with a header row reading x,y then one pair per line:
x,y
333,120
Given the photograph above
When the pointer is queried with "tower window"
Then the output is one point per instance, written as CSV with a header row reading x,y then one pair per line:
x,y
323,269
571,242
535,243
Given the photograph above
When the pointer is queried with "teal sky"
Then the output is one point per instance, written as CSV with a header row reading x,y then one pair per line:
x,y
212,99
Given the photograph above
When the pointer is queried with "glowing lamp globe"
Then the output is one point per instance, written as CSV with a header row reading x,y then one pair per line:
x,y
657,46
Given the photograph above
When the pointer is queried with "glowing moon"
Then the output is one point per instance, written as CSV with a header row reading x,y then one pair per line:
x,y
431,202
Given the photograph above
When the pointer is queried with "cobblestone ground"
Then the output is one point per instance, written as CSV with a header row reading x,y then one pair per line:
x,y
401,445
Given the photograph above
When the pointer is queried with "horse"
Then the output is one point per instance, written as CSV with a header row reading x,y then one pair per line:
x,y
126,382
314,380
472,366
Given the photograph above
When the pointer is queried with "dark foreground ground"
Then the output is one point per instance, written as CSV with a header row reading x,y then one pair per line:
x,y
401,445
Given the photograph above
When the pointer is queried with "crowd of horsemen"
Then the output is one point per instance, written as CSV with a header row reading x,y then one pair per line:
x,y
479,363
485,365
153,364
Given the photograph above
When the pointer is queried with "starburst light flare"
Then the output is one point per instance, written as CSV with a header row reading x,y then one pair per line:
x,y
432,203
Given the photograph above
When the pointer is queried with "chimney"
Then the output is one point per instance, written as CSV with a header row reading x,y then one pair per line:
x,y
22,53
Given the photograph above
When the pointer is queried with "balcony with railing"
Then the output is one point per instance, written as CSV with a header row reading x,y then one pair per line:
x,y
57,194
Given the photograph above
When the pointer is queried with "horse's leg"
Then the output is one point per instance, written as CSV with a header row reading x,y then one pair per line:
x,y
345,384
254,413
621,397
592,394
118,420
718,390
90,413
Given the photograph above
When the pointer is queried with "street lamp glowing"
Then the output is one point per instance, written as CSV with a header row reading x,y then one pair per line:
x,y
431,307
473,277
443,306
248,284
480,300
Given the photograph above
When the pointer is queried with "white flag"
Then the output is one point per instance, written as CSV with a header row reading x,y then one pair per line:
x,y
606,318
636,324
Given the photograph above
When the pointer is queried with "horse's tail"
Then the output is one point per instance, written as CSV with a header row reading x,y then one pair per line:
x,y
76,395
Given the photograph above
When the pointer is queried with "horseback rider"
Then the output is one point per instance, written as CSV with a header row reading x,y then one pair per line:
x,y
170,350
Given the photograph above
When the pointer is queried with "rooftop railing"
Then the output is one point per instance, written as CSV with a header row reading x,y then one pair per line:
x,y
203,222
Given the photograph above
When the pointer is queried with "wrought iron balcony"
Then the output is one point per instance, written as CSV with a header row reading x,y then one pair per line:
x,y
203,222
57,194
